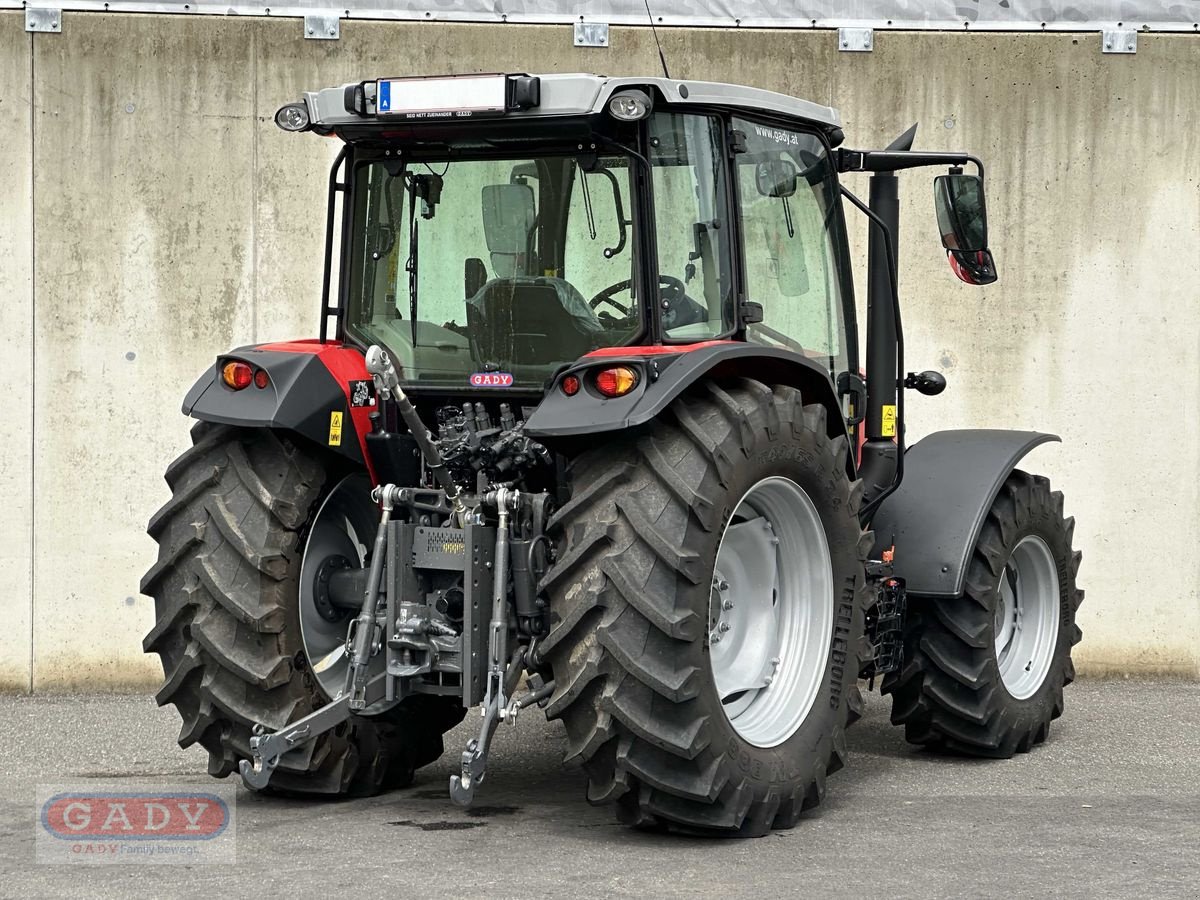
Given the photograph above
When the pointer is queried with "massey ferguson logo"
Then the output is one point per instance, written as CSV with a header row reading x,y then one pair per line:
x,y
491,379
134,817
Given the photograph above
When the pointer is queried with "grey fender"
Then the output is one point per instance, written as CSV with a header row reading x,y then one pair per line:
x,y
951,479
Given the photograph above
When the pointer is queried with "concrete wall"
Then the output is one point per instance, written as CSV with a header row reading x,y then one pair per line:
x,y
151,216
16,325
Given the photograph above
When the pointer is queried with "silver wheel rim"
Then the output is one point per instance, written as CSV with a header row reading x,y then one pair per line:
x,y
771,612
1026,625
344,526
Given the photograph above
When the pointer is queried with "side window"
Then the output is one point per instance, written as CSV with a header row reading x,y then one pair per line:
x,y
691,223
788,207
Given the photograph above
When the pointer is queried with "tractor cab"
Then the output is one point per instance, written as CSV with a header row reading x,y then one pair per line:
x,y
500,227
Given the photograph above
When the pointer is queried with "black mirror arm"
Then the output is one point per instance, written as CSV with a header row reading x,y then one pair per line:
x,y
894,160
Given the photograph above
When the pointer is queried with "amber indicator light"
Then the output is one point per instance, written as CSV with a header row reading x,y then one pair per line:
x,y
617,381
237,375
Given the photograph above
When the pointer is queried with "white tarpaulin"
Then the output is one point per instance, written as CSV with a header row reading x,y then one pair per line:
x,y
994,15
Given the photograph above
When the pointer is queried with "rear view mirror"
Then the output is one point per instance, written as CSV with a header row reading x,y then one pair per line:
x,y
962,222
961,213
776,177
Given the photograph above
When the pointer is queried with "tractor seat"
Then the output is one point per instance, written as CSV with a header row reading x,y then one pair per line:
x,y
526,320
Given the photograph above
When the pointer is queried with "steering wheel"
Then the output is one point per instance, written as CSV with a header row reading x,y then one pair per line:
x,y
674,291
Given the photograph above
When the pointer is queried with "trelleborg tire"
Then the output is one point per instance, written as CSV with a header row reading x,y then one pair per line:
x,y
984,673
633,621
227,628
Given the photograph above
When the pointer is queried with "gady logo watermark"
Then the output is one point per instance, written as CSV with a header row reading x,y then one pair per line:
x,y
163,825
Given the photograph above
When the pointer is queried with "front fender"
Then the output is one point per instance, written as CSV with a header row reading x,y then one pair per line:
x,y
951,479
322,392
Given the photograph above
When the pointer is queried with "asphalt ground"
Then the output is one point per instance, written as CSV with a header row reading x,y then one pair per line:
x,y
1109,807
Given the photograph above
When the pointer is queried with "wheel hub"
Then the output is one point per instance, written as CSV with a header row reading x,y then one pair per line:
x,y
771,612
321,598
1026,619
339,537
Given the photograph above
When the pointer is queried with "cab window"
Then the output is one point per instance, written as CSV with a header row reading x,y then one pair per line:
x,y
692,226
790,224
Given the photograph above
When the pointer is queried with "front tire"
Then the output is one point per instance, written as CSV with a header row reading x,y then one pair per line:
x,y
631,644
227,630
984,673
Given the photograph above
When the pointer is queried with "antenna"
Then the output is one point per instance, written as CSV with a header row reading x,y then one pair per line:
x,y
662,59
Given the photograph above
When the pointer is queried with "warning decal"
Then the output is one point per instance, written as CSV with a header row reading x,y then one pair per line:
x,y
335,429
888,426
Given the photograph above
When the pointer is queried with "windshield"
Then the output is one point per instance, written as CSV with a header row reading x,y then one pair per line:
x,y
474,270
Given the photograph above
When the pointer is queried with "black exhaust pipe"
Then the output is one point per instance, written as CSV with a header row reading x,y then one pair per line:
x,y
882,452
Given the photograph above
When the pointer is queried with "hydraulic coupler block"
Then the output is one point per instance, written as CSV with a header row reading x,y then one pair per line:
x,y
427,566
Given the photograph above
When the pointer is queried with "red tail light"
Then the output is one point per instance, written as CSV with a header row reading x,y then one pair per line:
x,y
570,385
617,381
261,378
237,375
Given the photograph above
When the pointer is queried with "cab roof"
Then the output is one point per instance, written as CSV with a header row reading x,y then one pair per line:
x,y
578,95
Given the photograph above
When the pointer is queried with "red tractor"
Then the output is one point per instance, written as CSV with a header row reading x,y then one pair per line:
x,y
584,429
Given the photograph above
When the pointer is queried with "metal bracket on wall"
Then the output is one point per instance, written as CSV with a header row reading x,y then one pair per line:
x,y
591,34
43,19
856,40
322,26
1123,41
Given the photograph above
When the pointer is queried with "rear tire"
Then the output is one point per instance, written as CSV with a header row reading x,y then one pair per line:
x,y
953,692
225,591
629,595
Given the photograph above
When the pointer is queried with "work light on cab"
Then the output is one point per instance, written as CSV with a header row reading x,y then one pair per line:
x,y
293,117
630,106
617,381
237,375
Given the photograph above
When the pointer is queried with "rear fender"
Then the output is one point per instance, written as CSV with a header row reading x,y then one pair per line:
x,y
322,392
951,479
665,372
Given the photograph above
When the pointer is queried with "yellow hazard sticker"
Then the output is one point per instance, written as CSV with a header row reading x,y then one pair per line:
x,y
888,425
335,429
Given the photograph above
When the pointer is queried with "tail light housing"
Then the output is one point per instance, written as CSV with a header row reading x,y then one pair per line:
x,y
237,375
615,381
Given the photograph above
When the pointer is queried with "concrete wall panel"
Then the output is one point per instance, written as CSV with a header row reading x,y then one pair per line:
x,y
144,181
174,221
16,275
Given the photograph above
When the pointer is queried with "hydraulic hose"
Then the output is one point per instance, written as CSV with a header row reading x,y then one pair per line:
x,y
379,364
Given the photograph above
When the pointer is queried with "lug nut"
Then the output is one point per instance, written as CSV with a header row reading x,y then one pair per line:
x,y
724,627
728,604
